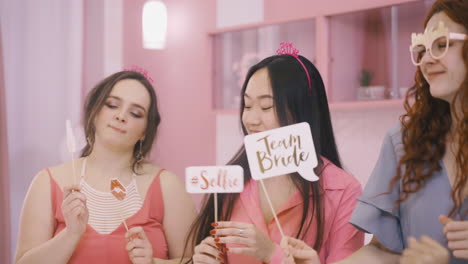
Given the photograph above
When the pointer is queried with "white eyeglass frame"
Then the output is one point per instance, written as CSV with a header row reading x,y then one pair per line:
x,y
427,38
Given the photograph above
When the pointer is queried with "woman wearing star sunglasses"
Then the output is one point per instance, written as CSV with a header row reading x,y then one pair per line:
x,y
415,200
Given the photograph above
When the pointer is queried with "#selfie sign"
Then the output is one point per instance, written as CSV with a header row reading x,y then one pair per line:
x,y
281,151
214,179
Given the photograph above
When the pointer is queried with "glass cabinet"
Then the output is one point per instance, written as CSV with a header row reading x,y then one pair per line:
x,y
366,55
236,51
369,52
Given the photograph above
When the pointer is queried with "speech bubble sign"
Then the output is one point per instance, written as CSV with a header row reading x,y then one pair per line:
x,y
214,179
281,151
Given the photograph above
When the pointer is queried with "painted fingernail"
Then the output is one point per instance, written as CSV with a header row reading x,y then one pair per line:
x,y
212,232
226,249
214,224
216,239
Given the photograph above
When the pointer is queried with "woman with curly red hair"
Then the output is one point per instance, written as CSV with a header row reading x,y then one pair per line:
x,y
415,200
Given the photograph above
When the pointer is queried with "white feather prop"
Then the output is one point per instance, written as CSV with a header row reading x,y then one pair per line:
x,y
71,144
70,138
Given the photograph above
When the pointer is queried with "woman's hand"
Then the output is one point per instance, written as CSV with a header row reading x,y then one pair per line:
x,y
256,243
74,210
298,252
208,252
457,236
140,250
424,251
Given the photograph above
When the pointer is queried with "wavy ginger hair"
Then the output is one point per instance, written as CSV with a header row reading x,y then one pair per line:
x,y
428,120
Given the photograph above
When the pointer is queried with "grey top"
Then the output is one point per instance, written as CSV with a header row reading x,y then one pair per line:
x,y
418,215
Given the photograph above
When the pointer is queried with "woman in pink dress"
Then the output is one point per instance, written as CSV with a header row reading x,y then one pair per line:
x,y
79,219
278,91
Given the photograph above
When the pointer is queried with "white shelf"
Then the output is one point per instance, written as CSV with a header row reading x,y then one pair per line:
x,y
371,104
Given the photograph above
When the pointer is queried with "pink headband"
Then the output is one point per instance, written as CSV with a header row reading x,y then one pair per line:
x,y
140,70
287,48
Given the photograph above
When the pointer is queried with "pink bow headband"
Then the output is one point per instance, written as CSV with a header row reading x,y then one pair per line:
x,y
140,70
287,48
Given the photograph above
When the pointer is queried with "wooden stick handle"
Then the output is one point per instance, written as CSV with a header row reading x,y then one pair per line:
x,y
272,209
123,221
216,207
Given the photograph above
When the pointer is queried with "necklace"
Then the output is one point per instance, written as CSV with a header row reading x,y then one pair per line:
x,y
117,189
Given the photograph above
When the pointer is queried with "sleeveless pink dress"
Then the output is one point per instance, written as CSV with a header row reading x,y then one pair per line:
x,y
110,248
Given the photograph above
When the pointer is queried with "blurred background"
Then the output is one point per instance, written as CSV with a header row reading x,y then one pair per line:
x,y
52,52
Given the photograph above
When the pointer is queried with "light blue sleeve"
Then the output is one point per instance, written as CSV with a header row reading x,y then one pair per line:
x,y
375,212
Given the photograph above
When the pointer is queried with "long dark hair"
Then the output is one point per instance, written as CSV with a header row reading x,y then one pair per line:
x,y
294,102
428,120
95,101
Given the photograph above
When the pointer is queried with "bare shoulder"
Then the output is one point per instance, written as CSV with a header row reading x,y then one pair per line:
x,y
149,171
40,182
171,185
170,181
38,194
67,173
177,199
146,174
174,193
36,212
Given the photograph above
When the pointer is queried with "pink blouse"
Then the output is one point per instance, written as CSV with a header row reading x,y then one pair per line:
x,y
340,238
110,248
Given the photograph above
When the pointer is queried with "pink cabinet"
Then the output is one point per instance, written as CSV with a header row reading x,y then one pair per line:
x,y
237,50
363,55
369,52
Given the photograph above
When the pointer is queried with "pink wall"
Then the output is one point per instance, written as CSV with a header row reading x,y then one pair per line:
x,y
409,20
93,49
4,173
275,10
377,37
342,86
182,81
